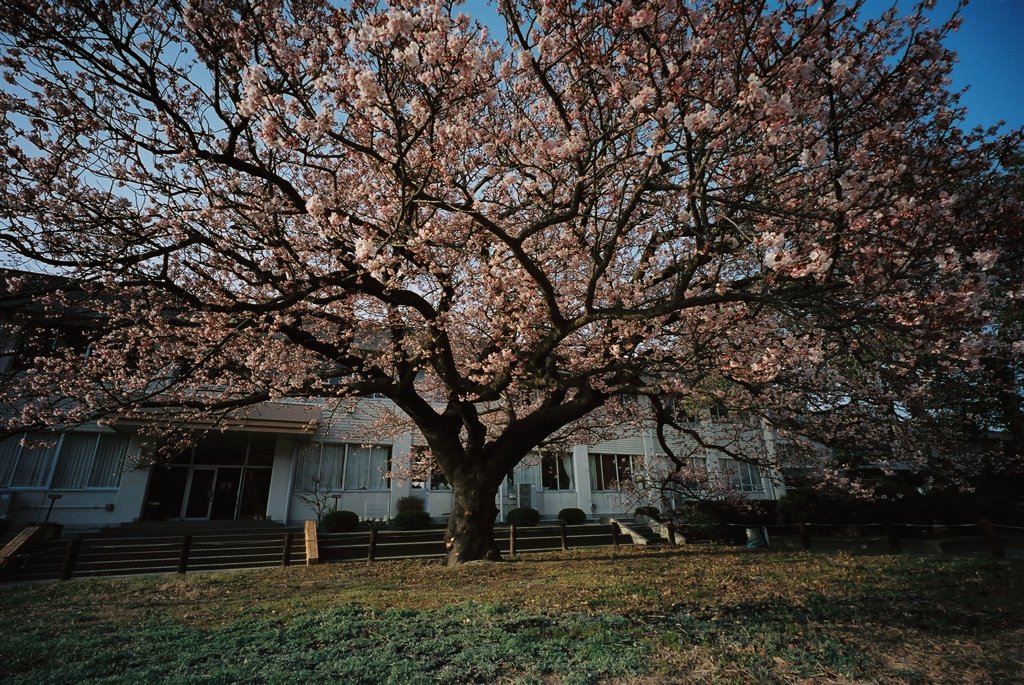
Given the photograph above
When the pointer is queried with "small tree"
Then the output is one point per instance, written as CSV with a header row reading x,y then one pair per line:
x,y
316,499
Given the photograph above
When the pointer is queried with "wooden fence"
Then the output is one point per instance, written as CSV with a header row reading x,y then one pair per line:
x,y
100,555
981,538
103,555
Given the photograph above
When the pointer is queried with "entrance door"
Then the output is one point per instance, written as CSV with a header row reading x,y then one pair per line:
x,y
225,493
167,487
200,493
255,491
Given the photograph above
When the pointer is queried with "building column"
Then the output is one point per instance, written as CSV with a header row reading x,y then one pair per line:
x,y
130,503
653,464
401,449
772,474
279,499
581,478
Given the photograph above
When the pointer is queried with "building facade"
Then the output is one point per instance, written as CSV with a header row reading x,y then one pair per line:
x,y
282,461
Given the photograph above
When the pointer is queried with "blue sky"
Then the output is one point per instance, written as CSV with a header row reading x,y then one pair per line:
x,y
990,44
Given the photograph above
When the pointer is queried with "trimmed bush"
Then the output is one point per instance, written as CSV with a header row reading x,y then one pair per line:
x,y
411,520
572,517
339,521
649,512
410,503
523,516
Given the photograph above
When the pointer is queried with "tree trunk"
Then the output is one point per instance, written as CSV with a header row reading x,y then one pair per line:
x,y
470,532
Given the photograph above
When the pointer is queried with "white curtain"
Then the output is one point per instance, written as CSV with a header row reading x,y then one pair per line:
x,y
332,466
9,450
567,465
596,479
75,460
109,462
377,478
357,467
34,464
307,467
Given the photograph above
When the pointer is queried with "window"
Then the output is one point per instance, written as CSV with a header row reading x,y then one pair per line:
x,y
741,476
719,413
438,480
693,478
556,471
72,461
787,453
610,471
344,466
22,344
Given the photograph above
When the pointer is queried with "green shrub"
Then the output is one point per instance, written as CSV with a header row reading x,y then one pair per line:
x,y
411,520
994,506
648,511
339,521
693,522
523,516
950,507
810,505
572,517
748,512
410,503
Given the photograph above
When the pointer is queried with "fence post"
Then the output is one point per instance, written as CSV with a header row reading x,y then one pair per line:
x,y
615,533
186,547
70,558
372,551
993,540
565,537
286,554
671,533
512,540
805,535
312,545
894,540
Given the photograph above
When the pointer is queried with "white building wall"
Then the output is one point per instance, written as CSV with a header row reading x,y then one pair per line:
x,y
92,507
74,508
550,502
361,425
439,503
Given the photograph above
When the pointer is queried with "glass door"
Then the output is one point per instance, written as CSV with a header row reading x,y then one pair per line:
x,y
225,495
200,493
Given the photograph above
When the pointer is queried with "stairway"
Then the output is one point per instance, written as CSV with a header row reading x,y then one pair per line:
x,y
645,532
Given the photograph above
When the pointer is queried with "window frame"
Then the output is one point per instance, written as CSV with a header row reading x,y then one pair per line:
x,y
733,471
56,453
599,480
344,465
559,471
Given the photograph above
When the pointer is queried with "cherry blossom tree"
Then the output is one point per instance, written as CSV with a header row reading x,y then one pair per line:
x,y
758,204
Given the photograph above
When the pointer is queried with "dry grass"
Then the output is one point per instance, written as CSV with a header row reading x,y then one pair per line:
x,y
694,614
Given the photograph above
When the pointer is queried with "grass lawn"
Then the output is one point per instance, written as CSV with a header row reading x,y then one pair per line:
x,y
693,614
